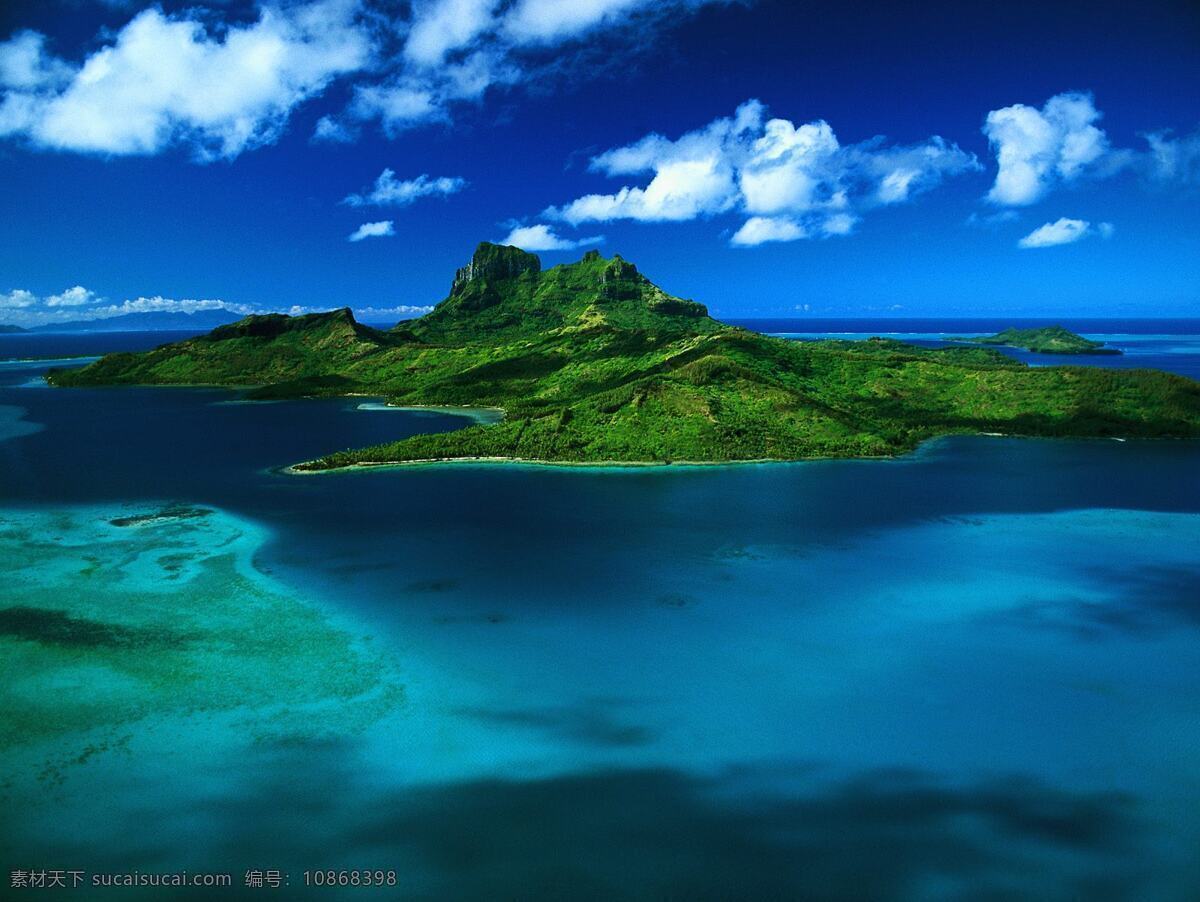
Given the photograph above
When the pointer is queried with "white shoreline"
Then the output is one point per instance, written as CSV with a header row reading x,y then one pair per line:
x,y
486,415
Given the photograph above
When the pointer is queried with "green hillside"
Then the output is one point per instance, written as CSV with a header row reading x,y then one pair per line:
x,y
592,362
1046,340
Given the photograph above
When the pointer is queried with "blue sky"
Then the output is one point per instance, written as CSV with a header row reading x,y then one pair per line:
x,y
766,158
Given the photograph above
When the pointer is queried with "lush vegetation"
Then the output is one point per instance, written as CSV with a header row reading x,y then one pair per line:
x,y
592,363
1047,340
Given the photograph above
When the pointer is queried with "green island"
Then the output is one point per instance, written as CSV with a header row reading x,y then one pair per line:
x,y
594,364
1046,340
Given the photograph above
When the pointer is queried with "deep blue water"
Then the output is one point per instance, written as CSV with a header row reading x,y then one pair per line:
x,y
970,673
1163,344
971,325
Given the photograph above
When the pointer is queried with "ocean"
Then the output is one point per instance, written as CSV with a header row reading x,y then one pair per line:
x,y
972,672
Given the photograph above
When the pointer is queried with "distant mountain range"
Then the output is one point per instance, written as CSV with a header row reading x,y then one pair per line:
x,y
200,321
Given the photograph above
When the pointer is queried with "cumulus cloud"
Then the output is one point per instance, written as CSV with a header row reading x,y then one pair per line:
x,y
1060,144
389,191
1038,149
397,106
794,181
165,79
72,297
17,299
546,20
373,230
761,229
1064,231
25,65
440,26
221,86
457,50
21,299
543,238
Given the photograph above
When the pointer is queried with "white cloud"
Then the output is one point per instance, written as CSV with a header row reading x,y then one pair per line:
x,y
29,78
397,106
222,86
388,191
761,229
456,50
72,297
1064,231
1174,159
680,190
166,80
794,181
79,303
440,26
1060,144
839,224
546,20
373,230
401,310
1037,149
360,313
543,238
24,308
17,299
329,131
159,304
24,64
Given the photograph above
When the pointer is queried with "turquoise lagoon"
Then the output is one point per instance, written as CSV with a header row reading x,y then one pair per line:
x,y
973,673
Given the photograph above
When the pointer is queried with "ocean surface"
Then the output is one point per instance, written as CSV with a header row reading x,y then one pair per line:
x,y
971,673
1163,344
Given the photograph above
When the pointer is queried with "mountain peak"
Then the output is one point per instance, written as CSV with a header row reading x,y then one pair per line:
x,y
272,325
504,290
493,262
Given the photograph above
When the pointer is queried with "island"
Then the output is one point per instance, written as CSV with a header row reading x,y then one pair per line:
x,y
1046,340
10,330
592,363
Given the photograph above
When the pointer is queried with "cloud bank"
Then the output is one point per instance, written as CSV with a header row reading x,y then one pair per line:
x,y
220,88
793,181
24,308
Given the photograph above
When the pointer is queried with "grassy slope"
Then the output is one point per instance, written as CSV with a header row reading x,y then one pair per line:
x,y
1046,340
594,363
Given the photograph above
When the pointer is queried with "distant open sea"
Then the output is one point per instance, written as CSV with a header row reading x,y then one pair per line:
x,y
969,673
1165,344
